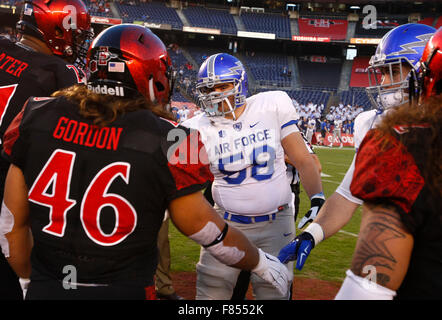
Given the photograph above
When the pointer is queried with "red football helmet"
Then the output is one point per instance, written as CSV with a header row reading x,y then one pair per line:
x,y
431,67
64,25
129,58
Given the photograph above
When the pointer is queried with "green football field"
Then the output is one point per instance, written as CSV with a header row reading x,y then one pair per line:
x,y
329,260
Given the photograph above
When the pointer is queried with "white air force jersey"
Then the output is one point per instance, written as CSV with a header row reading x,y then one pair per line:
x,y
246,156
363,123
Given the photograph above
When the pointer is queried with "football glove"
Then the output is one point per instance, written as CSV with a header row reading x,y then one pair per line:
x,y
271,270
298,249
316,203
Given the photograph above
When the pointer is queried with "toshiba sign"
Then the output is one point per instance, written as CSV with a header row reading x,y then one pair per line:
x,y
310,38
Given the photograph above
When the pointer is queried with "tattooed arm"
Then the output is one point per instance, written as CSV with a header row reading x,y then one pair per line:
x,y
384,246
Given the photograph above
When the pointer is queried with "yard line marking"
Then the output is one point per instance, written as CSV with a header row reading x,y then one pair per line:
x,y
325,175
331,181
338,164
348,233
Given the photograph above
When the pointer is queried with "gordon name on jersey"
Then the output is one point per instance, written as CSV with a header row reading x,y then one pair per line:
x,y
248,153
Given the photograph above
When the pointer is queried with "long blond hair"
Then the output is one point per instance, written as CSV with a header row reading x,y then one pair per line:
x,y
104,109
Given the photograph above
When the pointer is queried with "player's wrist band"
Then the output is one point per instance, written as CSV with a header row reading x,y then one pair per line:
x,y
219,238
316,231
318,195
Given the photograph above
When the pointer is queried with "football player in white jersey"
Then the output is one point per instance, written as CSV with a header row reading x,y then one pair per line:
x,y
337,129
396,59
246,139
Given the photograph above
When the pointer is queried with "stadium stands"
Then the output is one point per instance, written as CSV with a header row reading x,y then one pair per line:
x,y
99,8
211,18
267,23
150,12
314,74
304,96
269,69
329,28
356,97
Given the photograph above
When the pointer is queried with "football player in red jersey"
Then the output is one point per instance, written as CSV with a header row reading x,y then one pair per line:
x,y
104,169
53,37
398,175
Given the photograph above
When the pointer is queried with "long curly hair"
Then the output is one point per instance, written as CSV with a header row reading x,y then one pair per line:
x,y
428,113
105,109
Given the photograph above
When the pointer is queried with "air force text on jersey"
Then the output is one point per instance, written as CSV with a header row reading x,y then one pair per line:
x,y
243,146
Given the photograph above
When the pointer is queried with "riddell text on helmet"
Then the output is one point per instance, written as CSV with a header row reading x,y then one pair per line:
x,y
104,89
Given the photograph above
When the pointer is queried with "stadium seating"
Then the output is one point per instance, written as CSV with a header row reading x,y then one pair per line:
x,y
211,18
267,23
356,97
331,28
268,69
304,96
150,12
313,74
100,8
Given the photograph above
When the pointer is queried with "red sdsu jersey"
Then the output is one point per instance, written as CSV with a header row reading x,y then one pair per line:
x,y
98,194
392,171
25,73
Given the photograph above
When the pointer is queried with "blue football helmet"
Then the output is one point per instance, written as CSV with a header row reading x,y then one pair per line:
x,y
402,46
216,69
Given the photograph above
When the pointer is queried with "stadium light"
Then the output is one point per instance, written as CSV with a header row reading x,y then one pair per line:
x,y
355,7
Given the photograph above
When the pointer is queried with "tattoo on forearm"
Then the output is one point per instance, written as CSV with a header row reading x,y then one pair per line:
x,y
383,226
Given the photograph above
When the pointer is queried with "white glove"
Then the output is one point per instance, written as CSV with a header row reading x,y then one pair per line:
x,y
270,269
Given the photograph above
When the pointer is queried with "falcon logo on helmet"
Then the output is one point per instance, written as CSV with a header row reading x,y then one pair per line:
x,y
400,48
221,68
133,61
63,25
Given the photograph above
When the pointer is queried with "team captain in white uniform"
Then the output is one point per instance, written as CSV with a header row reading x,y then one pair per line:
x,y
245,140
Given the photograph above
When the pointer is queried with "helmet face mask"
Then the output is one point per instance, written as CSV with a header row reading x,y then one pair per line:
x,y
397,56
392,88
63,25
221,69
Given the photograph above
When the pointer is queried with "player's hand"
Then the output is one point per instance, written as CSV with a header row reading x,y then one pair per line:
x,y
316,203
274,272
298,249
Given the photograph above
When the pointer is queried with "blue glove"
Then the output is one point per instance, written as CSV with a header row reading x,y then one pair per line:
x,y
316,203
298,249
